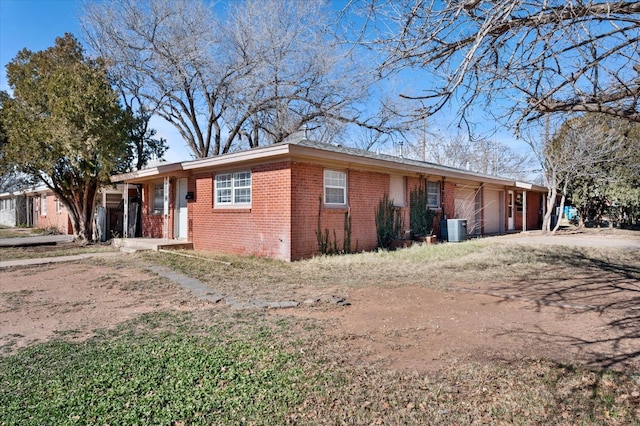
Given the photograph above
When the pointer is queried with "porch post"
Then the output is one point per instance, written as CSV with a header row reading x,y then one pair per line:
x,y
165,228
28,205
125,218
524,210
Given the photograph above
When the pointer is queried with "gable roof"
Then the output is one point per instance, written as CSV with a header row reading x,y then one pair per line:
x,y
315,151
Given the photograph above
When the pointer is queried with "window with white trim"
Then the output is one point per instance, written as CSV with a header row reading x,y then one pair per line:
x,y
58,205
233,189
43,205
157,207
335,187
433,194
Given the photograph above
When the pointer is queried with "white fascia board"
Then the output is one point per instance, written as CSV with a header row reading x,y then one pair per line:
x,y
523,185
237,157
147,173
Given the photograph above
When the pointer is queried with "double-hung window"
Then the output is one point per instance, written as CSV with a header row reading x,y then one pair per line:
x,y
233,189
43,205
433,194
335,187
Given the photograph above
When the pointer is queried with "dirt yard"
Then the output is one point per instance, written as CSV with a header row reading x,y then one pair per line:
x,y
592,320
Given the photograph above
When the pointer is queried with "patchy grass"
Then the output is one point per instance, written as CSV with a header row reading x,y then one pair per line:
x,y
219,366
224,367
60,249
8,232
434,266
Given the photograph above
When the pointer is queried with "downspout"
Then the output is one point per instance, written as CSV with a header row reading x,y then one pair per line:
x,y
125,220
165,228
524,211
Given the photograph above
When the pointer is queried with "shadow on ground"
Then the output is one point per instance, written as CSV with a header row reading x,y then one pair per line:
x,y
580,283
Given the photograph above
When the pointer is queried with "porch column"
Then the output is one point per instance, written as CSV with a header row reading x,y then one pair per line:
x,y
28,205
524,210
165,227
125,217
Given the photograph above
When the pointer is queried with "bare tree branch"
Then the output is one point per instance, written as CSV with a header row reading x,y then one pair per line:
x,y
533,57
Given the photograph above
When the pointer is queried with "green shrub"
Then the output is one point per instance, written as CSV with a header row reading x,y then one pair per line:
x,y
420,216
389,222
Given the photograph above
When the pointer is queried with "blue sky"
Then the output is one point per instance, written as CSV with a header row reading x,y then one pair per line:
x,y
35,24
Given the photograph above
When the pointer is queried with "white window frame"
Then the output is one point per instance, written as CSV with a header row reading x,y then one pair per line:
x,y
59,206
431,192
155,206
335,179
233,189
43,205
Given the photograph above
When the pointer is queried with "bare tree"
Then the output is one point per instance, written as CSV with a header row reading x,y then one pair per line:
x,y
534,57
256,74
296,74
578,149
167,50
485,156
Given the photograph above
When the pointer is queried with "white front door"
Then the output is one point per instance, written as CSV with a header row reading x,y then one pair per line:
x,y
510,211
181,221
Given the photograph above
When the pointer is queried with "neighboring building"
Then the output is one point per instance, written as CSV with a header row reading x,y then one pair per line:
x,y
40,208
268,201
17,208
8,215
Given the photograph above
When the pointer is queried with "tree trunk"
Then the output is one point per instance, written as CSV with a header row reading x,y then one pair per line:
x,y
562,200
551,202
81,206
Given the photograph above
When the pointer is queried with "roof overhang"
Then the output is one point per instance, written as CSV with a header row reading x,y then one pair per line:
x,y
329,155
147,174
388,165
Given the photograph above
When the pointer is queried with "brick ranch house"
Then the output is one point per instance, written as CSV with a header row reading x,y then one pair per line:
x,y
36,207
268,201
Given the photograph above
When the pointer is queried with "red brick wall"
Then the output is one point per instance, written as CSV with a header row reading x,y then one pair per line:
x,y
364,191
153,224
449,199
263,229
54,218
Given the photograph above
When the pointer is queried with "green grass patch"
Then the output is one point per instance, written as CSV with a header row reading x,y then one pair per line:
x,y
253,368
152,378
